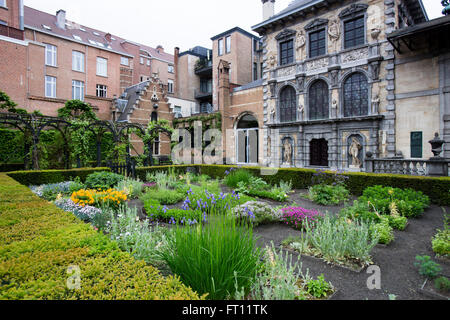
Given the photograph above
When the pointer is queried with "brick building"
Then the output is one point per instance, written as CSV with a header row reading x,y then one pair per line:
x,y
47,59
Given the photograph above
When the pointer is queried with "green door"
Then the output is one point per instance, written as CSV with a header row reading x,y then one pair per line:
x,y
416,144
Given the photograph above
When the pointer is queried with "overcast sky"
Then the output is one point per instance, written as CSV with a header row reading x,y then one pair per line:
x,y
170,23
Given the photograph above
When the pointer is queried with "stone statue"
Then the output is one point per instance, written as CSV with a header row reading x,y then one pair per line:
x,y
375,104
287,154
301,41
272,114
354,150
272,61
301,109
334,104
154,96
334,32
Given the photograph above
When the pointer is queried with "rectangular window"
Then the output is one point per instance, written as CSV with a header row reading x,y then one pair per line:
x,y
148,62
50,87
3,3
255,71
171,69
354,32
220,47
142,60
317,43
416,144
102,67
206,85
101,91
77,61
3,23
286,52
50,55
170,86
262,69
124,61
228,44
77,90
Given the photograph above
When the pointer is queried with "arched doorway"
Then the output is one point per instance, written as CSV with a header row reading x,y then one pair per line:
x,y
247,149
319,153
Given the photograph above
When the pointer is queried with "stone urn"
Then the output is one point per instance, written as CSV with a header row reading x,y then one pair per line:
x,y
436,145
375,33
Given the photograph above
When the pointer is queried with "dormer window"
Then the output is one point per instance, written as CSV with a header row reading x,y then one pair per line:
x,y
96,33
77,37
46,27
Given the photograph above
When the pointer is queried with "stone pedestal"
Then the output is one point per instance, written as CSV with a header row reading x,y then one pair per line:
x,y
437,167
354,169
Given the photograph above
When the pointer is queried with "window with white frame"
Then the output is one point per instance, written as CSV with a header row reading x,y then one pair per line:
x,y
50,55
102,91
50,87
142,60
77,90
124,61
148,62
102,67
77,61
220,47
3,3
171,68
170,86
228,44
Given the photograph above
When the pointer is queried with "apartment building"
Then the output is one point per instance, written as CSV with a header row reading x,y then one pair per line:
x,y
57,60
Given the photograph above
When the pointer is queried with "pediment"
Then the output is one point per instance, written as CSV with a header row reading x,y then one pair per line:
x,y
316,24
353,10
285,34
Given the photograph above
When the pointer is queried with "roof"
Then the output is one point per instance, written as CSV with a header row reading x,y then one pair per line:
x,y
46,23
128,98
235,29
198,51
415,6
250,85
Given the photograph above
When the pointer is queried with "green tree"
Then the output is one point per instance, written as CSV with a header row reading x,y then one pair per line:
x,y
446,5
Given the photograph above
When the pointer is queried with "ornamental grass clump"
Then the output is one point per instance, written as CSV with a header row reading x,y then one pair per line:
x,y
338,241
296,217
212,258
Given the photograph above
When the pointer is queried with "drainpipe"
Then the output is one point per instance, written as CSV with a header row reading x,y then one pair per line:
x,y
21,15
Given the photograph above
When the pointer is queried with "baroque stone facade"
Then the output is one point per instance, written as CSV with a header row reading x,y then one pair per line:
x,y
341,69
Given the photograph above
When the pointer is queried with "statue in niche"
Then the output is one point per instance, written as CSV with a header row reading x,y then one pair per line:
x,y
334,32
272,61
354,150
301,41
375,104
375,70
287,152
334,104
301,110
272,114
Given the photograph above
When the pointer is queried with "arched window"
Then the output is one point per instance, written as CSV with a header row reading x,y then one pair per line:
x,y
319,101
154,116
288,104
356,96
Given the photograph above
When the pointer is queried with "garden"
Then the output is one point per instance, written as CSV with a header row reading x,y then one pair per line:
x,y
224,232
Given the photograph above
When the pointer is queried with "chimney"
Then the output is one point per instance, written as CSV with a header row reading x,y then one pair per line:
x,y
175,62
108,37
61,19
268,9
160,49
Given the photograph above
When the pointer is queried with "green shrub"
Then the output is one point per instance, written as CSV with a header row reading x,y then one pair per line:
x,y
409,203
38,243
441,241
209,258
37,178
235,177
318,288
133,188
163,196
383,231
256,212
338,241
328,194
442,284
359,211
427,267
397,222
103,180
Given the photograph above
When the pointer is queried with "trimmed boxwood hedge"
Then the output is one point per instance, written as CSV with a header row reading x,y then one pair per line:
x,y
35,178
8,167
38,242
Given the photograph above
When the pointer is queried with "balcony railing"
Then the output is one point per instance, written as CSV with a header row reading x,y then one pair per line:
x,y
199,94
11,32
